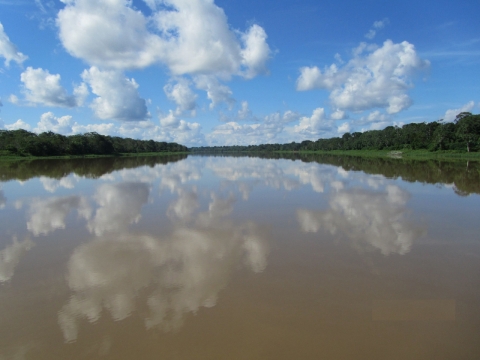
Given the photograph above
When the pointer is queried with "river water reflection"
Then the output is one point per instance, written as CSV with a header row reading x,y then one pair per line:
x,y
239,258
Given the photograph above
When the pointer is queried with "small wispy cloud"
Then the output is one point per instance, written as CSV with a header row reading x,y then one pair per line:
x,y
446,25
40,6
469,42
377,25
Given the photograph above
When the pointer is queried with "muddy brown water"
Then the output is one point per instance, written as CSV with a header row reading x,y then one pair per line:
x,y
205,257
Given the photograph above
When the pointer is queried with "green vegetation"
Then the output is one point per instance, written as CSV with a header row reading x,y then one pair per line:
x,y
447,139
458,139
22,143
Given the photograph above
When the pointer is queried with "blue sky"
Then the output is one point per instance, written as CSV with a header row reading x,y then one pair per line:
x,y
204,72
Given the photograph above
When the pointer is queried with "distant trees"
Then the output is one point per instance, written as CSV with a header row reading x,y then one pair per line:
x,y
24,143
463,135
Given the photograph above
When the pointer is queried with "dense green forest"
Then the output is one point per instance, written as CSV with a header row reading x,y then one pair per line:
x,y
462,135
25,143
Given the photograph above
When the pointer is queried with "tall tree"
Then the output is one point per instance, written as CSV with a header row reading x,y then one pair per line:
x,y
468,129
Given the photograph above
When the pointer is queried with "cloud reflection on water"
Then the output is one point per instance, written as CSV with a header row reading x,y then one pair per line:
x,y
369,219
181,272
183,268
51,185
47,215
184,206
10,257
278,174
3,199
119,205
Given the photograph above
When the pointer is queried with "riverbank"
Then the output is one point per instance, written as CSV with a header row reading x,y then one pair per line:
x,y
9,157
396,154
399,154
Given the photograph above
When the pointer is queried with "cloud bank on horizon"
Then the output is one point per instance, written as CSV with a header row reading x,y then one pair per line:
x,y
186,71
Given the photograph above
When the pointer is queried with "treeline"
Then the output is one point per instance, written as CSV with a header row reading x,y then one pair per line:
x,y
462,135
25,143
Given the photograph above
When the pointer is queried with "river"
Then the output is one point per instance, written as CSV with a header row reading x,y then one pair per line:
x,y
212,257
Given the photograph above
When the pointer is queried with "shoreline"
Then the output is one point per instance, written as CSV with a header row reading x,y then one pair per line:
x,y
68,157
392,154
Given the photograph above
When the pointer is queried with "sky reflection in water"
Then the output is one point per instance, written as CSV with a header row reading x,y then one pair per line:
x,y
160,242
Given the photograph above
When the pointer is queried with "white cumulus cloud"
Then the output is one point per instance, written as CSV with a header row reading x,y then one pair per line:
x,y
178,130
376,77
265,130
170,129
19,124
182,95
256,51
60,125
8,50
339,115
117,96
376,120
451,114
106,33
189,37
65,125
344,128
44,88
244,112
217,93
315,124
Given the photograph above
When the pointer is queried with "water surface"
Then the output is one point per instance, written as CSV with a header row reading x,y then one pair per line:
x,y
239,258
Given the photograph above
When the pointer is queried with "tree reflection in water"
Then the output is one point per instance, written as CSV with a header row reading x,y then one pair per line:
x,y
160,273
